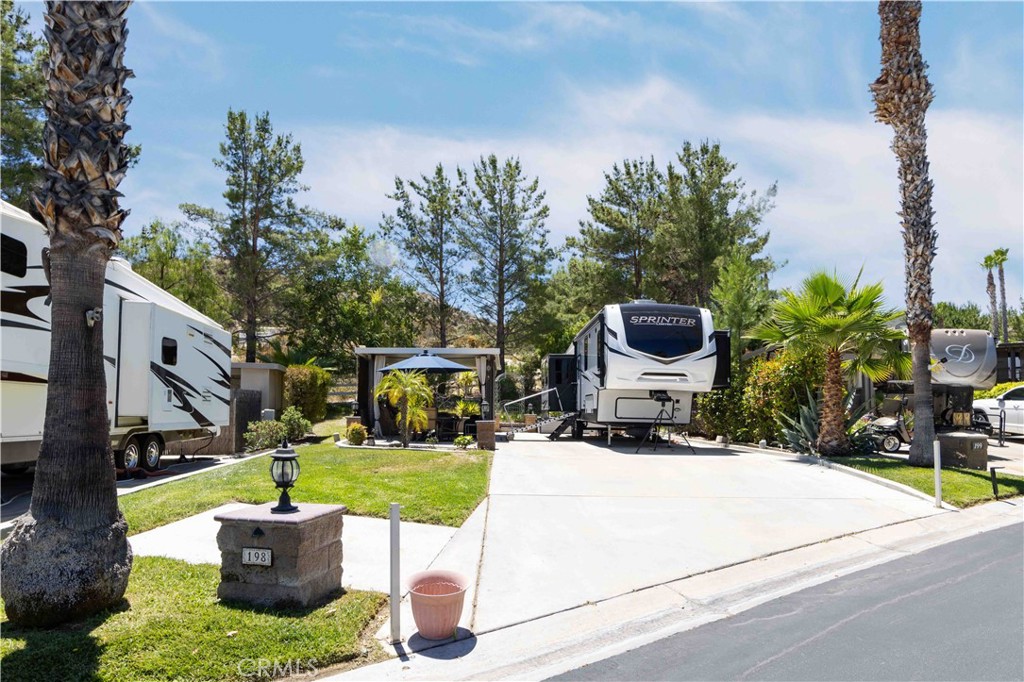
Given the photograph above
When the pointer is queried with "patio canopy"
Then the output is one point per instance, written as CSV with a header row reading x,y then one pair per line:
x,y
374,363
431,364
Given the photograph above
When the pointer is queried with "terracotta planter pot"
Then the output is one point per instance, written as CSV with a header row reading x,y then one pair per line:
x,y
437,598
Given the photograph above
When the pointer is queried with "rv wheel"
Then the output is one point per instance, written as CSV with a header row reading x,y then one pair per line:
x,y
154,451
577,430
129,457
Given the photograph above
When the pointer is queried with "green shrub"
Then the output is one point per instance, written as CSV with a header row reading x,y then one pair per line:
x,y
296,425
356,434
265,434
307,387
463,442
718,413
776,387
997,390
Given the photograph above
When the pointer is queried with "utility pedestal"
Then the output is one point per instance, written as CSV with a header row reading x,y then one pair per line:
x,y
964,449
280,560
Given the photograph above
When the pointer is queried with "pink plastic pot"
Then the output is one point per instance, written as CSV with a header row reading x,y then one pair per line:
x,y
437,598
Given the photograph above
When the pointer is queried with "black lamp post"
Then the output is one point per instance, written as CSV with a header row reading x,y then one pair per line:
x,y
284,469
485,408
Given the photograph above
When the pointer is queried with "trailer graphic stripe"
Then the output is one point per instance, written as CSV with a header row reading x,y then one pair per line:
x,y
225,380
224,349
22,325
181,388
15,300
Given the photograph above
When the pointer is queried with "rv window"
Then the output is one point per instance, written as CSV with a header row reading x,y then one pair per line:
x,y
14,256
169,351
586,350
662,332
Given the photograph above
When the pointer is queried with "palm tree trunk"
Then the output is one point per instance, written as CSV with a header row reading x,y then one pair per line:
x,y
902,95
990,289
1002,304
404,417
832,438
69,556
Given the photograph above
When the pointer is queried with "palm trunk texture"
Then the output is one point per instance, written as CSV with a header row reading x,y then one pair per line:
x,y
832,438
1002,304
902,95
69,556
993,310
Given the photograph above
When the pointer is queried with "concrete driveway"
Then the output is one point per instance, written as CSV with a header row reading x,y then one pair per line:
x,y
570,523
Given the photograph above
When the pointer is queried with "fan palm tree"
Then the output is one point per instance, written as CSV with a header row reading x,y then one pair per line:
x,y
1001,256
405,390
990,263
902,94
69,556
850,327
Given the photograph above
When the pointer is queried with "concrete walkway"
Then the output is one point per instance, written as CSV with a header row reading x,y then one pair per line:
x,y
365,545
580,547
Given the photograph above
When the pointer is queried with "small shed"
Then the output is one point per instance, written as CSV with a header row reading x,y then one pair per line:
x,y
372,360
265,377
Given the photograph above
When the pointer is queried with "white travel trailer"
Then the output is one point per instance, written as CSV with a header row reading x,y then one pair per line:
x,y
168,366
633,359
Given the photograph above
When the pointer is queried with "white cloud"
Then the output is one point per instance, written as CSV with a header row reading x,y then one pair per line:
x,y
837,198
193,49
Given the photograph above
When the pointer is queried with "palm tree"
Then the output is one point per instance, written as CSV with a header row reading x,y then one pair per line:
x,y
1001,256
902,95
851,328
405,390
989,263
69,556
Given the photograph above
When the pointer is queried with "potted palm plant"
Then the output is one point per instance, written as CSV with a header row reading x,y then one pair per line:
x,y
410,393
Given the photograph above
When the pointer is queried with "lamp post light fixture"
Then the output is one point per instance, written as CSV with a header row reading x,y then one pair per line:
x,y
485,409
284,470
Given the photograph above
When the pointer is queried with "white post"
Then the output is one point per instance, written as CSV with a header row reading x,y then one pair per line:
x,y
937,462
396,596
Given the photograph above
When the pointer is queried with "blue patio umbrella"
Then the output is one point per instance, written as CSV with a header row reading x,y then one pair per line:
x,y
431,364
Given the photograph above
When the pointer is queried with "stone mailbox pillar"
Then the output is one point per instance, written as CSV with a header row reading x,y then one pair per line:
x,y
485,434
280,559
964,449
529,419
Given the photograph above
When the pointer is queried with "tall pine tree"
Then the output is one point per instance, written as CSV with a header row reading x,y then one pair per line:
x,y
501,229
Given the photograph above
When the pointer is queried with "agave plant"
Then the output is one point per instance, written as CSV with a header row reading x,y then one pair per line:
x,y
801,433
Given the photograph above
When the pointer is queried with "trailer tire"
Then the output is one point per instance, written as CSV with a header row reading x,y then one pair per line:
x,y
15,469
152,453
577,430
129,457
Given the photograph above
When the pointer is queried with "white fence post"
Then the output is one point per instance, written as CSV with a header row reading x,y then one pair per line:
x,y
396,596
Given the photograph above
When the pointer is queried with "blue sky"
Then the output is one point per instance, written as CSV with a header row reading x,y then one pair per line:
x,y
372,90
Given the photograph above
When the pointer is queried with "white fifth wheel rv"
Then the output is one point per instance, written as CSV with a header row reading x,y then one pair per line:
x,y
168,366
633,359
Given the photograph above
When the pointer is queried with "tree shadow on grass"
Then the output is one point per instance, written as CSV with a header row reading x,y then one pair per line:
x,y
283,610
67,652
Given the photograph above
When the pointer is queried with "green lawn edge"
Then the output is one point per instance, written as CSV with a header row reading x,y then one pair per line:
x,y
433,486
960,487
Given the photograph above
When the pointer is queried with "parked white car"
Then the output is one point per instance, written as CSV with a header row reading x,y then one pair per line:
x,y
1013,402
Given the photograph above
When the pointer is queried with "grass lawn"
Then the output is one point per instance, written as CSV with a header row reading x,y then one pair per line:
x,y
330,427
432,486
960,487
175,629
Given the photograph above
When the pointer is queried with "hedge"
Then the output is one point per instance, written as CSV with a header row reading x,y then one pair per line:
x,y
307,387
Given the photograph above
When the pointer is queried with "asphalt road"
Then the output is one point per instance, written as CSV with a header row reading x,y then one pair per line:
x,y
955,612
